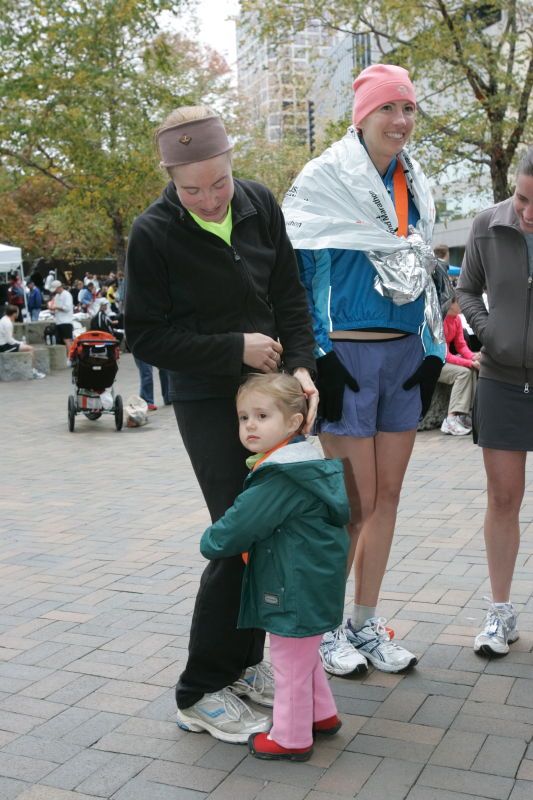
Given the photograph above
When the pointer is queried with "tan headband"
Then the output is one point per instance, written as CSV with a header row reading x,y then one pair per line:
x,y
188,142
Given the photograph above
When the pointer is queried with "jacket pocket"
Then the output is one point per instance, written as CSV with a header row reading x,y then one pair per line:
x,y
502,341
272,594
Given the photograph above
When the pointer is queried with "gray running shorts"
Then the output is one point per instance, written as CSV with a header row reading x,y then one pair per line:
x,y
502,417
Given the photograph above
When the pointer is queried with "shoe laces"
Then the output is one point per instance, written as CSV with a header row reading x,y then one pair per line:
x,y
234,707
339,641
497,618
261,676
377,625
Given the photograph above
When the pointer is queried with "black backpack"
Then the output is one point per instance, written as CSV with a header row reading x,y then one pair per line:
x,y
49,334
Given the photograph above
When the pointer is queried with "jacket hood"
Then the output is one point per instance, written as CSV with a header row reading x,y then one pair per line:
x,y
309,470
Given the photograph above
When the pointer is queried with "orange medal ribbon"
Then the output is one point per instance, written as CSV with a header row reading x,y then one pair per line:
x,y
401,199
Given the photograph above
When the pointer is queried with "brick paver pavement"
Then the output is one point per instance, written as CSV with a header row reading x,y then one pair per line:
x,y
99,567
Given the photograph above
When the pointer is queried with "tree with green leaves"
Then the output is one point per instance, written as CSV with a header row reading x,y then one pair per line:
x,y
83,83
472,63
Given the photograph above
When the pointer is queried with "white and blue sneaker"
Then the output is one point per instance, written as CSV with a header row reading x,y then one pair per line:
x,y
374,642
338,656
224,716
499,632
256,684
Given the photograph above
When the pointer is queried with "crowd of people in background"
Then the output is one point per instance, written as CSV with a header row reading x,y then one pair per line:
x,y
96,301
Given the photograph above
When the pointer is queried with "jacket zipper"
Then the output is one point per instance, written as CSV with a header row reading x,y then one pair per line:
x,y
528,309
246,277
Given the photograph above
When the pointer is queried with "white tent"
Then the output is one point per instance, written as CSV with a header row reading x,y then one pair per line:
x,y
11,259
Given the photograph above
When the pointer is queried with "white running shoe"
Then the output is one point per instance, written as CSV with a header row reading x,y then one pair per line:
x,y
454,426
373,641
466,420
338,656
256,684
37,375
499,632
224,716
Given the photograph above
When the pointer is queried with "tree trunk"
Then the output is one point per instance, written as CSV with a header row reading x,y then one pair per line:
x,y
119,239
499,170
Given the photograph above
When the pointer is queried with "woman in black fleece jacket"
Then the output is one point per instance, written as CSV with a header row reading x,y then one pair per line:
x,y
212,293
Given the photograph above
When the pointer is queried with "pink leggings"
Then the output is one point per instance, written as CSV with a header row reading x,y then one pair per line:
x,y
302,694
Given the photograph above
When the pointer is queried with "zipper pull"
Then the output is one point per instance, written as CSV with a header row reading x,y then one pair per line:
x,y
526,388
529,281
236,256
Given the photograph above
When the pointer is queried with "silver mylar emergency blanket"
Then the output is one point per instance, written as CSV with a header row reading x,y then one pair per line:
x,y
339,200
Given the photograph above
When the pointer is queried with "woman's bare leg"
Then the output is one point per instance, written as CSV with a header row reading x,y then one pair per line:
x,y
359,459
374,472
505,471
393,451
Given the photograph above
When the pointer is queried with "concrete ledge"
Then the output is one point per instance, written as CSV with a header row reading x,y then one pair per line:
x,y
58,356
16,367
42,358
33,331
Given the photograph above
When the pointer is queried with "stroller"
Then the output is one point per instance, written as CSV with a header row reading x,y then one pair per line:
x,y
94,357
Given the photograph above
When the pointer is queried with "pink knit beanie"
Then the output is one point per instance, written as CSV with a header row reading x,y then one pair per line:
x,y
377,85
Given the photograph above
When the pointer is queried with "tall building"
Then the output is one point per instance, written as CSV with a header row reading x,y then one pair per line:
x,y
331,90
275,80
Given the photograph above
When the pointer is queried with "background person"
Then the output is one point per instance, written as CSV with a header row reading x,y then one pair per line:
x,y
460,371
50,278
291,514
75,290
103,321
8,343
146,388
63,307
499,256
212,293
35,301
86,296
442,252
15,294
374,377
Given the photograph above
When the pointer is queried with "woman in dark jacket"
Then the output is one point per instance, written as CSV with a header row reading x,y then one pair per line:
x,y
212,293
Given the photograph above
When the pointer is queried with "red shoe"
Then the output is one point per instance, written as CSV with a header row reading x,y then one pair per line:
x,y
261,746
328,727
152,407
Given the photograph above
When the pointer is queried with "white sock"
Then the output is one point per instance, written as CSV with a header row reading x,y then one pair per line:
x,y
360,614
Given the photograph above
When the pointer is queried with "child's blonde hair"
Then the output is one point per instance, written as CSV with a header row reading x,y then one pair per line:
x,y
284,389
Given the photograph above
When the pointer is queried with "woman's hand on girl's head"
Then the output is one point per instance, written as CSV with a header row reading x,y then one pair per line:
x,y
311,392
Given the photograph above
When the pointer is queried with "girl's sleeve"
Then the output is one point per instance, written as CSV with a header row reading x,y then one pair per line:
x,y
255,515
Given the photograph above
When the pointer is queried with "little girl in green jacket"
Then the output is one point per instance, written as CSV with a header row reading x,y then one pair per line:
x,y
290,518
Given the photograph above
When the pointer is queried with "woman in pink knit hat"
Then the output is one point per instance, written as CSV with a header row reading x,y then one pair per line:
x,y
360,217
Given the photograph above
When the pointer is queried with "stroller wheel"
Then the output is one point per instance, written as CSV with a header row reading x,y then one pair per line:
x,y
119,413
93,414
71,412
